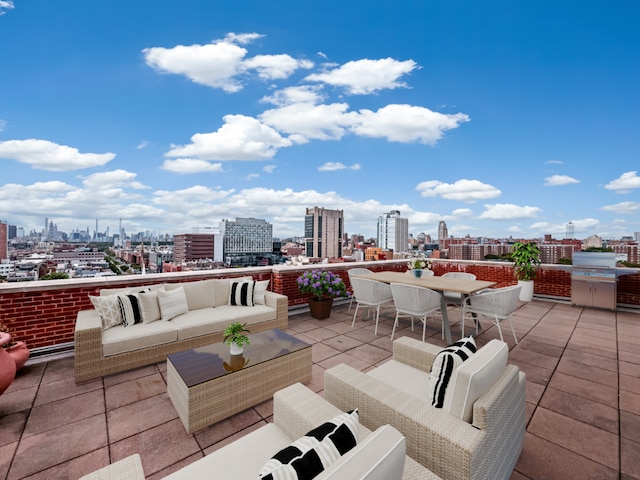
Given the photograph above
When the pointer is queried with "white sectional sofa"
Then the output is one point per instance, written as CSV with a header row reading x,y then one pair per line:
x,y
164,319
378,455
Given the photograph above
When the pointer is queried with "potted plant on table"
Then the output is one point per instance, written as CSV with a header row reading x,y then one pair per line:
x,y
417,265
526,259
324,285
235,336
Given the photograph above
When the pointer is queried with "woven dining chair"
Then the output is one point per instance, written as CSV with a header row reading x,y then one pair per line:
x,y
412,301
497,304
370,293
356,271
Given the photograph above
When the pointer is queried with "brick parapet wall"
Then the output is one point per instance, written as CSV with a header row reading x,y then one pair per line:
x,y
43,313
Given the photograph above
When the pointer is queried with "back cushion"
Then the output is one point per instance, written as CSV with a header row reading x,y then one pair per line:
x,y
474,377
199,294
447,361
222,287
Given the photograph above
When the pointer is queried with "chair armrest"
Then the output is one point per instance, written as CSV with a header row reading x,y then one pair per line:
x,y
415,353
297,409
129,468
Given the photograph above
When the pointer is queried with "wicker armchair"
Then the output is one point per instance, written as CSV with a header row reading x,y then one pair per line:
x,y
488,447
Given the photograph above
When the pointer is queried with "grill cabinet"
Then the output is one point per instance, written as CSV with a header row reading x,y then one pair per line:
x,y
594,280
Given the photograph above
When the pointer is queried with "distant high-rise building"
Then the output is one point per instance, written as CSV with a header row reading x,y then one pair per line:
x,y
443,232
569,233
4,241
13,231
246,240
323,229
393,232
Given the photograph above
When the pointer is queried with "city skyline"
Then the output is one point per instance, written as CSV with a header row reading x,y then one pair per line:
x,y
502,119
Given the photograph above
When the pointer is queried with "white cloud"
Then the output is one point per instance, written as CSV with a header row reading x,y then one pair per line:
x,y
292,95
623,208
624,183
253,176
3,124
361,77
240,138
5,5
142,145
269,168
407,123
508,211
555,180
554,162
462,212
305,121
191,165
334,166
219,63
463,190
114,178
45,155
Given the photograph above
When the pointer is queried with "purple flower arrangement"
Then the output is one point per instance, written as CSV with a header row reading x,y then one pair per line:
x,y
322,284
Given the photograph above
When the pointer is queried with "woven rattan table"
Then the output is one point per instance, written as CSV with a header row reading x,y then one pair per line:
x,y
207,384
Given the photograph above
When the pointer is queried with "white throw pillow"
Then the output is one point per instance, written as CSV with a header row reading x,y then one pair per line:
x,y
149,306
259,291
172,303
108,309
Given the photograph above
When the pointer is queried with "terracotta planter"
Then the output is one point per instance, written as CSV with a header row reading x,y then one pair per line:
x,y
320,309
20,353
7,364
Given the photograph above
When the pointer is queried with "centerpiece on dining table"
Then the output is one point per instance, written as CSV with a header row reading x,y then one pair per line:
x,y
417,265
325,286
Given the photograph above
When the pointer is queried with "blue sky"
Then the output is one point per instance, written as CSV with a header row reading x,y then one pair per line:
x,y
503,118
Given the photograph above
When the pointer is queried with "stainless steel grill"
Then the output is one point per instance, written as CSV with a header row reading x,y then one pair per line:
x,y
594,280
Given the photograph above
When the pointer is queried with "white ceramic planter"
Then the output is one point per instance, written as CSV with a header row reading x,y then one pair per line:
x,y
526,292
235,349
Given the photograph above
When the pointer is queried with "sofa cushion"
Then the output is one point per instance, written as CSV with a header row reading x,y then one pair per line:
x,y
141,335
314,452
149,306
474,377
241,293
240,459
221,288
108,309
259,292
444,366
248,315
130,309
200,322
402,377
172,303
199,294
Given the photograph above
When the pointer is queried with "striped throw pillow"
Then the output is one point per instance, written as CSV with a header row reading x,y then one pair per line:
x,y
241,293
445,363
172,303
130,309
313,453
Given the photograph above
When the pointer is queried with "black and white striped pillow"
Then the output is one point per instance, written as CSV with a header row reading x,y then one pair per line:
x,y
130,309
313,453
241,293
445,363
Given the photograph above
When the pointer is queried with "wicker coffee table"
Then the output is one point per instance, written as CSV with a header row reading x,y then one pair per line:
x,y
207,384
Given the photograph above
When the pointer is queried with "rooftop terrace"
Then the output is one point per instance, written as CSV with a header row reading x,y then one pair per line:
x,y
583,399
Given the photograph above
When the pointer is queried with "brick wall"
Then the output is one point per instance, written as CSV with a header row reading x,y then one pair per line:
x,y
44,313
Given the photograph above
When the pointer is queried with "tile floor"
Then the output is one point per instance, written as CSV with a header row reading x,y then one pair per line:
x,y
583,399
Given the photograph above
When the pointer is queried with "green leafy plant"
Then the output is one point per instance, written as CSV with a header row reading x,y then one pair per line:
x,y
235,333
526,259
322,284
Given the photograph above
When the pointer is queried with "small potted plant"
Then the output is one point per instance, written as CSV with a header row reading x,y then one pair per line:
x,y
324,285
417,265
235,336
526,259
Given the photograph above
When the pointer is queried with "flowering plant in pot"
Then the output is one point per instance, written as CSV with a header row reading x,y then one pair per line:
x,y
418,264
324,285
234,335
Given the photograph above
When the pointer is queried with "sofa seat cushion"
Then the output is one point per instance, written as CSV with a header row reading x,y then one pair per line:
x,y
238,460
248,315
200,322
134,337
402,377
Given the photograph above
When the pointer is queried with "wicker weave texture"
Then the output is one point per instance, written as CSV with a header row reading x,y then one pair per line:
x,y
90,363
451,448
129,468
222,397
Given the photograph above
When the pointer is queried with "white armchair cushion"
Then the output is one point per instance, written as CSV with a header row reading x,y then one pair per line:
x,y
444,366
474,377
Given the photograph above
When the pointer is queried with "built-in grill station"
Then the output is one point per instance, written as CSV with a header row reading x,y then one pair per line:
x,y
594,279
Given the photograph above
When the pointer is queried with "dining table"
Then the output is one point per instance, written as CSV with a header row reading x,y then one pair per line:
x,y
463,286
